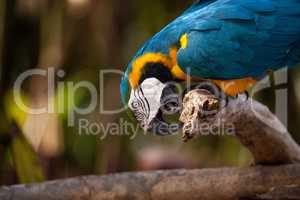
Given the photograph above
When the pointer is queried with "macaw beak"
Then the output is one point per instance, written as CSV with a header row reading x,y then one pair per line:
x,y
169,105
150,102
160,127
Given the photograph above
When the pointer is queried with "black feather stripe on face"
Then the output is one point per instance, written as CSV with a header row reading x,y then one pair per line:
x,y
156,70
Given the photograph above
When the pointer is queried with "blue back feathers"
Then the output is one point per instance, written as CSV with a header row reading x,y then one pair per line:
x,y
231,39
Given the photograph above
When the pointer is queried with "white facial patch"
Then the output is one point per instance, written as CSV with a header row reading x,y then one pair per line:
x,y
145,100
153,89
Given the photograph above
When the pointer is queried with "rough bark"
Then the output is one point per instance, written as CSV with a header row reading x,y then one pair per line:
x,y
261,182
249,121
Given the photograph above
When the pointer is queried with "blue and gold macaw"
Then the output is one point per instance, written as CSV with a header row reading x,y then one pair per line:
x,y
222,41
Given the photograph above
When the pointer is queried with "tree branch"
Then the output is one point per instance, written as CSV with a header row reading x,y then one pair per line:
x,y
251,123
281,182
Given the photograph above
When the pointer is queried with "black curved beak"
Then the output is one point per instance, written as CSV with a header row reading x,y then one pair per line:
x,y
161,100
170,104
160,127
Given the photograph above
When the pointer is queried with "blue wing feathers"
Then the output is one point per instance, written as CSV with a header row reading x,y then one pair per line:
x,y
231,39
206,25
260,6
233,12
255,36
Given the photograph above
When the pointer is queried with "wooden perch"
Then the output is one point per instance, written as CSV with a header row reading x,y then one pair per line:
x,y
253,125
253,183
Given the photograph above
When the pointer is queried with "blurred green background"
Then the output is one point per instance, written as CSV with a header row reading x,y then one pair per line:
x,y
82,37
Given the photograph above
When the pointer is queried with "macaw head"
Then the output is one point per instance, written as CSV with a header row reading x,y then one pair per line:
x,y
147,93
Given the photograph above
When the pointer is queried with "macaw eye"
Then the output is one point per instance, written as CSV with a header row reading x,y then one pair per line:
x,y
138,112
135,104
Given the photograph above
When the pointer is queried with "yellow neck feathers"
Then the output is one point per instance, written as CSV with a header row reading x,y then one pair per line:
x,y
169,61
234,87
